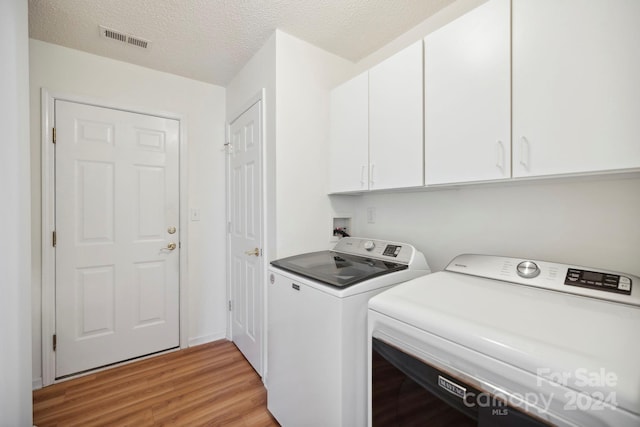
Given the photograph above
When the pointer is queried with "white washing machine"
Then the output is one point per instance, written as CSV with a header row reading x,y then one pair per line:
x,y
317,330
496,341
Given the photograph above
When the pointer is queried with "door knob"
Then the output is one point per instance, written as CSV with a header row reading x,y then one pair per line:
x,y
171,246
255,252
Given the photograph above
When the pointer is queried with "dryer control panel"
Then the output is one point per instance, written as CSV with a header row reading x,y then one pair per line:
x,y
571,279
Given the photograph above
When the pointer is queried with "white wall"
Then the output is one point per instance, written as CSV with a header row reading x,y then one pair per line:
x,y
258,74
15,321
591,222
305,75
297,77
202,107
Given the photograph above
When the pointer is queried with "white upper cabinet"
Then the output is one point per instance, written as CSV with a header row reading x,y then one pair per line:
x,y
576,90
349,136
468,97
395,121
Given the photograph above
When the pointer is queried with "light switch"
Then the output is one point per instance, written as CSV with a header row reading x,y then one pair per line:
x,y
195,214
371,215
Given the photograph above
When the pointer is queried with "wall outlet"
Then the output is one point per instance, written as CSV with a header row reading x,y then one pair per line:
x,y
371,215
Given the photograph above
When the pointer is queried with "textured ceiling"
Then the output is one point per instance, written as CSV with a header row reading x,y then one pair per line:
x,y
210,40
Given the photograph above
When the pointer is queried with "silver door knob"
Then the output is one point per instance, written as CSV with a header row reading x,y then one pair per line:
x,y
255,252
171,246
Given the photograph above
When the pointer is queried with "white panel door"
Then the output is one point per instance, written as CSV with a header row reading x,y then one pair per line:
x,y
576,96
468,97
245,196
349,136
117,203
396,121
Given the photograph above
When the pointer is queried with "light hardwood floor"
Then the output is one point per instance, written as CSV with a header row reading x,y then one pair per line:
x,y
206,385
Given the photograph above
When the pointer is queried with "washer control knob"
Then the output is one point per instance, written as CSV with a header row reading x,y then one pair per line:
x,y
369,245
528,269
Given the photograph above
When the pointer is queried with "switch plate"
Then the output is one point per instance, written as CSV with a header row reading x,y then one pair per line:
x,y
371,215
195,214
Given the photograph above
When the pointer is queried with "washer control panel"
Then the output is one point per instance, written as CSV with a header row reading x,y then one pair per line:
x,y
392,250
598,280
380,249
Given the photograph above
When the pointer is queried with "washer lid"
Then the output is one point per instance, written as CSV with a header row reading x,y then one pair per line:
x,y
337,269
586,344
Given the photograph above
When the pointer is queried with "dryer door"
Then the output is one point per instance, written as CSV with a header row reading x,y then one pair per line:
x,y
408,392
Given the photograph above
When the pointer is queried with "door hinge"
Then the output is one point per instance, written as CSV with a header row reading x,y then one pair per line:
x,y
53,135
229,305
54,239
55,342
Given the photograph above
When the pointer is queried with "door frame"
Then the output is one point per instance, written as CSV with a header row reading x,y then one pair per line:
x,y
258,97
48,262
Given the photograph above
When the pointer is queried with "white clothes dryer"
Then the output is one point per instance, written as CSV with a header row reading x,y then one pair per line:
x,y
497,341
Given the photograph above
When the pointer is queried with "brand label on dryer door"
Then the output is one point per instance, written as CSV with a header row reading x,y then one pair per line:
x,y
452,387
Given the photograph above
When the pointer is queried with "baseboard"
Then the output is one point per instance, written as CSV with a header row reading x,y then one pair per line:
x,y
36,384
206,338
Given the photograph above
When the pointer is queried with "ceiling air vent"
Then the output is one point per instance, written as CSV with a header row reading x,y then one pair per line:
x,y
119,36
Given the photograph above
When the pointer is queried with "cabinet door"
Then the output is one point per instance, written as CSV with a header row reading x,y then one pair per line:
x,y
468,97
395,121
349,136
576,96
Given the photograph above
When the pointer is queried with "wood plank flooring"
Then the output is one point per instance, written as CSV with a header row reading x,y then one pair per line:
x,y
206,385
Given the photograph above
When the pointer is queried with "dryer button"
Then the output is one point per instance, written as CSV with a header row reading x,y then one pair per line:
x,y
625,284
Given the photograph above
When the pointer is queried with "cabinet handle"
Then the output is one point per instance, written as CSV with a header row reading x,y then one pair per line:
x,y
362,183
524,152
500,156
371,181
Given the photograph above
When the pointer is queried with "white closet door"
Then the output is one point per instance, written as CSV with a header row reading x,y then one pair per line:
x,y
245,235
